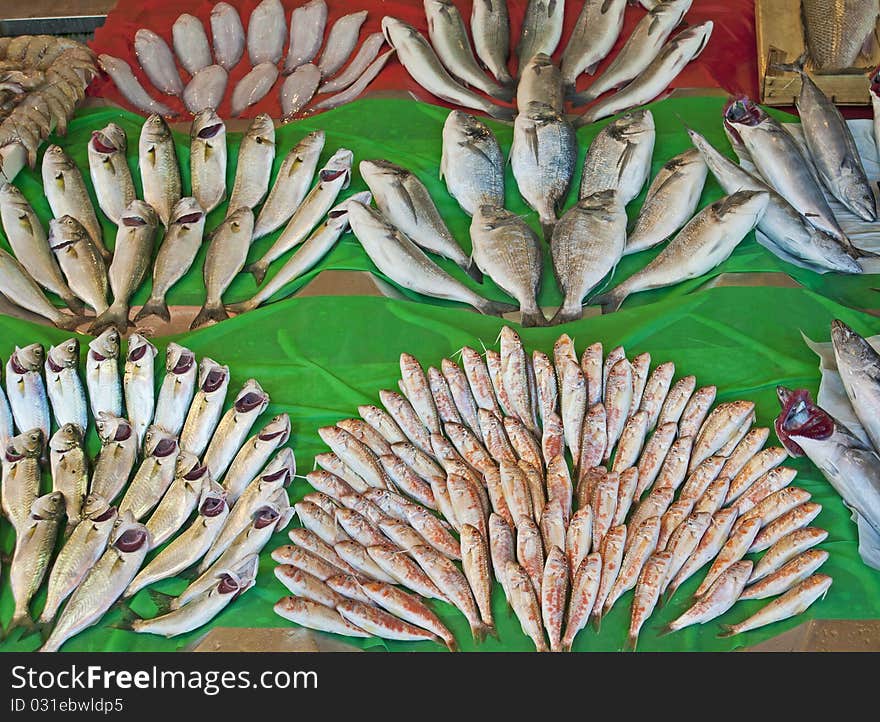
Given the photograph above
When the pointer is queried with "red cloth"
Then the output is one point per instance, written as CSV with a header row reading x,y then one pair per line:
x,y
728,62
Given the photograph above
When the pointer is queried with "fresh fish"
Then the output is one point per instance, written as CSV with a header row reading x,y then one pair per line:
x,y
253,87
179,501
358,86
341,42
414,383
366,54
402,567
423,65
676,400
356,455
787,576
654,79
490,27
859,367
618,399
640,549
641,365
603,502
707,240
874,91
656,390
584,590
190,43
119,449
719,598
177,389
541,30
70,471
21,476
102,374
207,159
771,497
227,34
791,521
554,594
160,173
573,404
647,593
254,165
298,89
619,158
206,408
306,33
695,412
543,156
63,385
612,551
594,34
506,249
654,455
81,262
26,391
383,423
382,624
266,33
254,455
206,89
234,428
108,168
837,32
750,445
408,608
310,614
719,427
157,61
310,547
787,548
592,365
447,410
16,283
104,583
130,87
700,478
632,439
477,570
525,604
154,475
333,178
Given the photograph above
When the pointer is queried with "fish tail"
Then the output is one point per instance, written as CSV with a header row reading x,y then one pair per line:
x,y
473,271
796,67
480,631
210,313
582,98
499,112
73,303
566,314
533,318
503,92
258,270
116,315
610,301
567,644
161,600
69,323
493,308
154,307
585,119
21,619
547,229
597,622
856,252
632,642
242,307
728,630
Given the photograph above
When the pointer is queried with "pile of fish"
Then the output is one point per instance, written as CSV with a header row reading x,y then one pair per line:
x,y
42,79
304,70
74,262
837,32
462,479
176,474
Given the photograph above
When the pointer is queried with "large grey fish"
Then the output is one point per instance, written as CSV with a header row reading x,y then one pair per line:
x,y
358,86
540,81
619,158
252,88
781,163
66,192
654,79
102,374
587,244
21,476
541,30
490,27
291,184
406,203
176,255
471,163
119,449
341,42
405,263
81,261
543,156
781,223
423,65
190,43
130,87
207,159
70,471
157,61
254,166
180,500
34,545
206,89
160,172
108,168
104,583
177,389
671,202
132,254
837,31
227,35
80,553
449,39
266,33
254,455
234,427
298,89
507,250
859,367
706,241
137,384
333,178
307,24
64,386
154,475
595,32
849,465
16,283
226,257
206,408
26,391
366,54
641,47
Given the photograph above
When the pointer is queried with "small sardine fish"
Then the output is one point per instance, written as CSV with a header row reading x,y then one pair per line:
x,y
254,167
108,167
306,34
207,159
102,374
541,30
130,87
490,27
206,89
190,43
234,428
206,408
266,33
177,389
63,384
705,242
595,32
153,476
160,171
119,450
471,164
70,472
157,61
406,203
719,598
179,501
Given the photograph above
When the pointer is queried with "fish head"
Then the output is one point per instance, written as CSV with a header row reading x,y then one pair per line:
x,y
27,359
63,356
375,169
337,217
542,113
27,445
11,195
338,167
48,507
853,353
312,145
267,515
187,466
64,232
179,360
96,508
607,200
743,203
741,112
858,194
139,348
251,398
155,129
130,537
488,216
213,377
57,161
139,214
277,430
240,221
396,31
633,123
262,130
212,500
112,428
281,469
187,212
208,126
105,347
800,417
110,139
159,444
237,581
69,436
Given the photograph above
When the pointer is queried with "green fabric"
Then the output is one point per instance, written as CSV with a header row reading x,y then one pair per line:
x,y
321,357
408,133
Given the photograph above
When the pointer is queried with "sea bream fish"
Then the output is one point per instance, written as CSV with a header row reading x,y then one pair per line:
x,y
490,27
838,31
541,30
471,163
26,391
207,159
595,32
108,168
850,466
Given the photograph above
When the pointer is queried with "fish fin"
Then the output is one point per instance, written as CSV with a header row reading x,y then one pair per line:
x,y
532,138
796,67
258,270
154,307
533,318
21,621
565,314
451,644
495,308
162,600
116,315
728,630
75,306
469,145
857,252
500,113
480,631
473,271
666,630
70,323
407,199
128,618
547,230
209,314
591,69
597,622
242,307
610,301
632,642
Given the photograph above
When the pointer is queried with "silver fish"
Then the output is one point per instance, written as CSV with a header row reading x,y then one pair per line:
x,y
63,384
130,87
490,27
587,244
80,260
254,167
405,201
541,30
341,42
540,81
190,43
859,367
157,61
108,168
206,89
180,499
837,32
594,35
298,89
178,387
154,475
471,164
21,476
253,87
207,159
234,427
366,54
254,455
70,472
266,33
358,86
26,391
137,384
16,283
102,374
119,449
307,24
206,408
227,34
160,173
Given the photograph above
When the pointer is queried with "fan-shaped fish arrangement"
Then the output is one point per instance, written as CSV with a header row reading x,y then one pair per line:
x,y
304,70
462,479
180,481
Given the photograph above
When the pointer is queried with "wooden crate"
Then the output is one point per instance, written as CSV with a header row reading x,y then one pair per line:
x,y
780,39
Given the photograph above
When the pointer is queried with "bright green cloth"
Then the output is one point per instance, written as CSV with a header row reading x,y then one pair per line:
x,y
321,357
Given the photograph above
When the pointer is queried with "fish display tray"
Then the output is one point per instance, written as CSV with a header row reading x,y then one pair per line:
x,y
780,39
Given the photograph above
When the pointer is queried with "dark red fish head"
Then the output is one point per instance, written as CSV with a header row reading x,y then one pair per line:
x,y
742,111
800,417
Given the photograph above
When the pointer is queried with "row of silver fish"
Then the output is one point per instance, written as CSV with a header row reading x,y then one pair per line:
x,y
306,69
461,479
174,471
